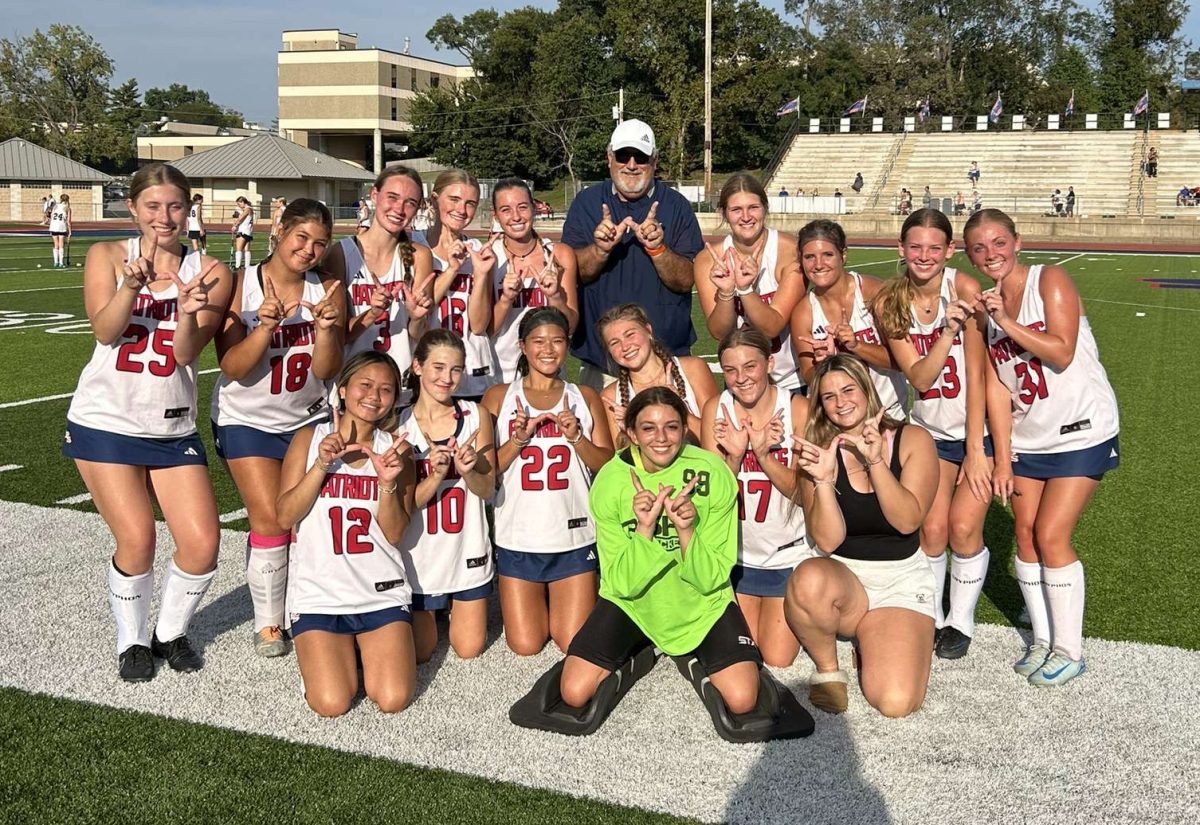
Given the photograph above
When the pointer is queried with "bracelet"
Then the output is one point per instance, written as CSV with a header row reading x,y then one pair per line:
x,y
831,482
725,296
578,438
654,253
383,488
742,291
873,463
521,443
324,467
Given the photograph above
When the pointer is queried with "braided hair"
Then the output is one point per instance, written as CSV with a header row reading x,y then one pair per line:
x,y
634,313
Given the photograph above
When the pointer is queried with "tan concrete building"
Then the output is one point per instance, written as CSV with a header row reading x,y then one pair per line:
x,y
170,140
347,101
29,173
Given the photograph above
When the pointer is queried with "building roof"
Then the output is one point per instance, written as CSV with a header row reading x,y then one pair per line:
x,y
175,127
268,157
22,160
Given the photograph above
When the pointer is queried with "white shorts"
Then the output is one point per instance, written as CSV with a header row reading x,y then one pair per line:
x,y
906,583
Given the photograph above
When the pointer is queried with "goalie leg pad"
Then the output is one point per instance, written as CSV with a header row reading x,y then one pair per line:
x,y
778,715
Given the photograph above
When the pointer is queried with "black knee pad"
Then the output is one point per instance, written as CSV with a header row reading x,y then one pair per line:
x,y
543,707
778,714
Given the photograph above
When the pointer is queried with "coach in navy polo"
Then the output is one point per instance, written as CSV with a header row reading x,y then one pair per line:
x,y
634,239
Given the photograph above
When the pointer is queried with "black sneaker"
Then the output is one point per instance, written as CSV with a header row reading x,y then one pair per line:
x,y
136,664
952,643
178,653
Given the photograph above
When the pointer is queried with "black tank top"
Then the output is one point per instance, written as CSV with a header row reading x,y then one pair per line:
x,y
869,536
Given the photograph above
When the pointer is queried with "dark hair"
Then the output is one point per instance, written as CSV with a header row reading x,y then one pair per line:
x,y
432,339
822,230
533,319
303,210
634,312
510,183
196,198
747,336
651,396
369,358
989,215
741,182
158,174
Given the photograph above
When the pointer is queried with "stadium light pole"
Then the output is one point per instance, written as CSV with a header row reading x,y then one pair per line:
x,y
708,99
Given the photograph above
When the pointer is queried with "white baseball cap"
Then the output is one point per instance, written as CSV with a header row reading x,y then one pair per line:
x,y
633,134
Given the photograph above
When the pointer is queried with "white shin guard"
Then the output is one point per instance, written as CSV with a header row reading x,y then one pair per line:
x,y
179,596
1065,592
129,597
967,575
1029,579
938,563
266,574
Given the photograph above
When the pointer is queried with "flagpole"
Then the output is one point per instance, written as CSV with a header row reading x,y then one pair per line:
x,y
707,100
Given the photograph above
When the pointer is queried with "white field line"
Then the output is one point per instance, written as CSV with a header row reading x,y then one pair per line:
x,y
1073,257
233,516
875,263
41,289
8,404
6,468
79,499
1143,306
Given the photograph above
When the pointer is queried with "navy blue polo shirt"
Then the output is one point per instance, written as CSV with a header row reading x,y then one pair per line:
x,y
629,275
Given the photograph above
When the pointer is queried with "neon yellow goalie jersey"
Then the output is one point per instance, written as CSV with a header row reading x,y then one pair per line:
x,y
674,597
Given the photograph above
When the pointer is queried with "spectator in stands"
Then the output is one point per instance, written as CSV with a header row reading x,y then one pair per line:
x,y
1184,198
837,193
783,192
960,203
927,198
634,240
858,183
1070,201
800,194
1152,163
973,173
905,201
1057,207
976,201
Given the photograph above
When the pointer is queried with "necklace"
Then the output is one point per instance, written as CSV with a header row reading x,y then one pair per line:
x,y
511,254
662,373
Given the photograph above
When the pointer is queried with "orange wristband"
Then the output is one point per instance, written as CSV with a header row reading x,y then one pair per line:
x,y
654,253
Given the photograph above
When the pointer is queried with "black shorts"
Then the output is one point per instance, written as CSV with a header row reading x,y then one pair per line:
x,y
196,235
609,638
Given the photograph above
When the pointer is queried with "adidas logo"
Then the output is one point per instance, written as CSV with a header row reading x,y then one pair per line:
x,y
591,556
190,451
1113,454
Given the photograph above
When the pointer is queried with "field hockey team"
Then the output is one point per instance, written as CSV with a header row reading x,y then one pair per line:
x,y
394,411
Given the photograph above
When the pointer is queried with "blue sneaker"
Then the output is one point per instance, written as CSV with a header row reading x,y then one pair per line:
x,y
1029,664
1057,670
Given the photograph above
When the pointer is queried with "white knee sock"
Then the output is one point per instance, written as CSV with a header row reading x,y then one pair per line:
x,y
1029,579
938,563
179,596
266,574
129,597
237,259
57,255
1065,592
966,584
246,253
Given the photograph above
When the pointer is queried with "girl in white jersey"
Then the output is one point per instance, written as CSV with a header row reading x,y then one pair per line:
x,y
196,231
836,317
242,231
1063,435
931,324
751,425
642,362
531,272
131,427
754,278
60,228
463,287
277,207
552,440
281,341
450,556
389,277
348,493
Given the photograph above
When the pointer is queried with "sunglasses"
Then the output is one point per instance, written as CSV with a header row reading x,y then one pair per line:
x,y
623,156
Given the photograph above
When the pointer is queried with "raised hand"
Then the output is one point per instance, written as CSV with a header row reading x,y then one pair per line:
x,y
647,507
390,463
416,298
459,252
272,311
568,422
465,456
441,456
525,425
721,273
484,258
510,287
843,333
992,302
334,446
763,438
607,234
325,312
869,444
680,509
140,271
193,297
649,232
957,313
819,463
822,348
732,440
745,274
618,413
548,279
381,299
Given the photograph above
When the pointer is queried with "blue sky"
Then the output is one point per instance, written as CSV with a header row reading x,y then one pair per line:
x,y
228,47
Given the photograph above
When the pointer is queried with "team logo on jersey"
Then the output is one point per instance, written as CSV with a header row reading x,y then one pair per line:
x,y
664,533
478,561
381,587
573,523
190,451
176,412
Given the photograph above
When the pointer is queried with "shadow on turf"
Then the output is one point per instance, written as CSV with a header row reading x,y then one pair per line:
x,y
808,780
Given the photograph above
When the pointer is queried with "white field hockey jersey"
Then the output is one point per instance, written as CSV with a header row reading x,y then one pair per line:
x,y
58,217
389,333
772,526
447,539
542,503
480,370
785,373
1054,411
891,385
341,562
689,395
194,218
280,394
507,340
133,386
942,409
246,225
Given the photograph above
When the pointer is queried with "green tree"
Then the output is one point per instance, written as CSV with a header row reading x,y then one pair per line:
x,y
469,36
178,102
1139,49
125,106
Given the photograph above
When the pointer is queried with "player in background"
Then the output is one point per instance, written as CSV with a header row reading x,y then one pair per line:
x,y
60,229
751,425
242,230
867,482
450,554
1062,439
754,278
643,362
196,231
281,341
390,278
837,316
363,216
462,289
531,272
347,490
552,439
131,427
277,207
929,319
